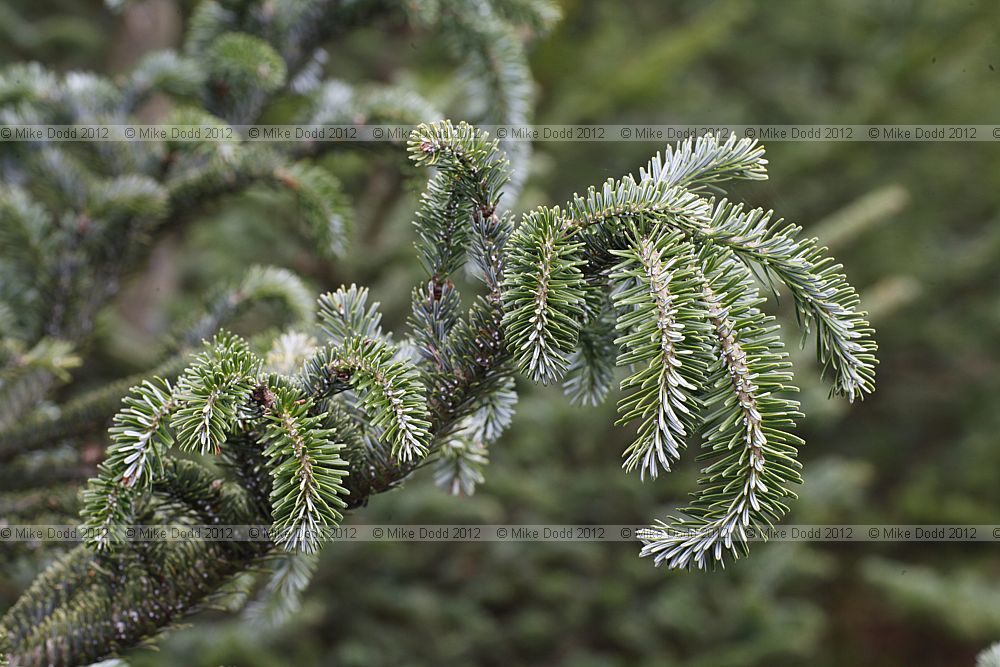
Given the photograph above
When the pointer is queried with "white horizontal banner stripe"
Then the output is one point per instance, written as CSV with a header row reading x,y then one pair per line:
x,y
507,133
34,533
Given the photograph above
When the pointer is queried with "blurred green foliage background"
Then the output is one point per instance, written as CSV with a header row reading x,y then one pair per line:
x,y
916,225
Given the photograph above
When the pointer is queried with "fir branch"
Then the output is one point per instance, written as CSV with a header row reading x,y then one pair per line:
x,y
436,310
307,470
459,353
442,224
260,284
823,297
496,66
202,410
704,161
471,174
467,156
604,217
389,391
242,71
345,314
747,429
281,597
544,295
25,225
338,103
166,72
106,506
324,206
618,206
52,590
487,251
82,415
481,358
140,433
692,337
90,605
209,394
661,337
592,367
494,412
464,454
135,592
90,411
460,465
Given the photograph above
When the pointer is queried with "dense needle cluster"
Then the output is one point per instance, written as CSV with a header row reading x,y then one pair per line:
x,y
649,280
647,275
674,269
